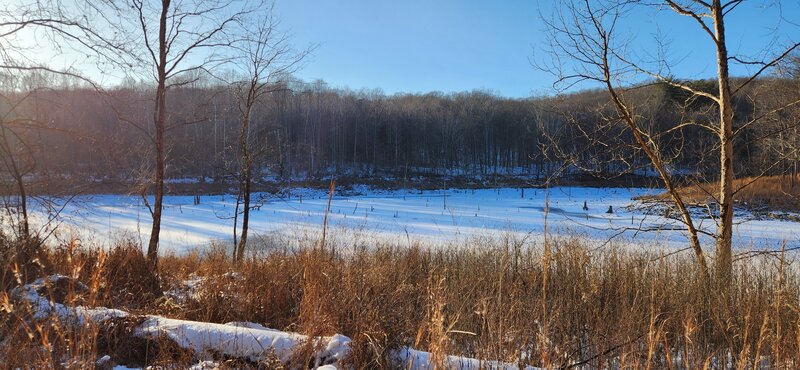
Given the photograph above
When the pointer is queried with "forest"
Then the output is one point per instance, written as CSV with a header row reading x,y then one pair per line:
x,y
310,130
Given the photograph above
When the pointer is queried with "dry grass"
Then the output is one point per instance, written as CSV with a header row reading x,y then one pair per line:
x,y
486,299
773,192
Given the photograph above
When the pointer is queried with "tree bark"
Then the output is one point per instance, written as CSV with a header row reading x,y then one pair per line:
x,y
159,121
245,176
245,212
724,262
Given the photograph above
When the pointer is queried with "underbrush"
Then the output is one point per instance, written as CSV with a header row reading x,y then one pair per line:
x,y
498,299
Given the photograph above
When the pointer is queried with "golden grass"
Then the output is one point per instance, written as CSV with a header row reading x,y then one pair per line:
x,y
486,299
774,192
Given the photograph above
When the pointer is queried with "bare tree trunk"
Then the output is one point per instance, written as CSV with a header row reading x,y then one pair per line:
x,y
246,182
25,231
245,176
236,219
23,227
724,263
152,249
658,164
159,120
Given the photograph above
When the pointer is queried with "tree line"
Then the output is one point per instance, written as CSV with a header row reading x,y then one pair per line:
x,y
302,130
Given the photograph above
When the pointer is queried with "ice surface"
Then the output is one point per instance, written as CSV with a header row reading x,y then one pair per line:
x,y
403,217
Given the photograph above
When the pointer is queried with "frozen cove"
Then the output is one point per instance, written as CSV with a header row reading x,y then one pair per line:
x,y
446,217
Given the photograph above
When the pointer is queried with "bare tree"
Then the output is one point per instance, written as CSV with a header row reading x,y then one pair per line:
x,y
29,31
266,57
585,46
17,161
178,39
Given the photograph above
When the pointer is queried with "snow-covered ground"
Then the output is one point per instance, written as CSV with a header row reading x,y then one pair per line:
x,y
404,217
239,340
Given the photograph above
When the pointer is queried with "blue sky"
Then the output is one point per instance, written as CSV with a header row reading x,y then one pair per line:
x,y
418,46
450,45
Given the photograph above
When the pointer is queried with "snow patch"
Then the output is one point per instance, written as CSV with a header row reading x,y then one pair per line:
x,y
244,340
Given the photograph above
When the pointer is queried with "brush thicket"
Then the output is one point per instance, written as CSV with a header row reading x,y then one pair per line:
x,y
485,298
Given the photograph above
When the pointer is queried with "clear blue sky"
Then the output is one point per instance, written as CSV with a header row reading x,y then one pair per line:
x,y
462,45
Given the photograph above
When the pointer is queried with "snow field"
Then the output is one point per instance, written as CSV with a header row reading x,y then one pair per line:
x,y
403,217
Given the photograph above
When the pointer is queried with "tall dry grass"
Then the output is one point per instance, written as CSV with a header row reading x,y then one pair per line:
x,y
773,192
609,308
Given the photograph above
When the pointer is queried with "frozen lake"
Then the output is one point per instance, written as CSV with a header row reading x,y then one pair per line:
x,y
404,217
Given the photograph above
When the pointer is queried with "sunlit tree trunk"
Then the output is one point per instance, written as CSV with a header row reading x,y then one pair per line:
x,y
725,229
159,121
